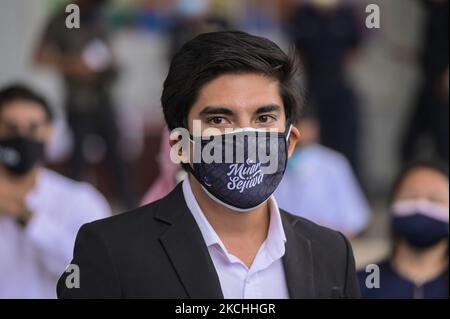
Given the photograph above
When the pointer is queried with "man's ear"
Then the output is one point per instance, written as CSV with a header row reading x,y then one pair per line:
x,y
183,150
172,144
294,137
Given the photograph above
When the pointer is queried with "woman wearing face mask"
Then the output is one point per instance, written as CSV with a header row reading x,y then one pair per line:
x,y
418,267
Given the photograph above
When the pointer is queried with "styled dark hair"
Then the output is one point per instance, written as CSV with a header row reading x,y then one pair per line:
x,y
433,164
17,92
210,55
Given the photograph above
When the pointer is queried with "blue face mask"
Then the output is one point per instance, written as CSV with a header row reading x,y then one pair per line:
x,y
419,230
241,178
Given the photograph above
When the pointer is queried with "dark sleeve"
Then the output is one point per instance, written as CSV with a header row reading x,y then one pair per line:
x,y
50,34
98,276
351,289
298,26
354,28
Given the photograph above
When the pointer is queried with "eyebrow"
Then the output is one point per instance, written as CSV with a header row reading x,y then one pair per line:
x,y
211,110
268,108
214,110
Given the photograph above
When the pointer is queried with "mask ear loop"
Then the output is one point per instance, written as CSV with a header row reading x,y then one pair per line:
x,y
289,133
188,165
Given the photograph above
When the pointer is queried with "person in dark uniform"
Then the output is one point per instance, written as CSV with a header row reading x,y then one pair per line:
x,y
326,34
430,117
418,267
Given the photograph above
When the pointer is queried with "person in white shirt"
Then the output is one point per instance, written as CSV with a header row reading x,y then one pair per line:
x,y
319,184
40,210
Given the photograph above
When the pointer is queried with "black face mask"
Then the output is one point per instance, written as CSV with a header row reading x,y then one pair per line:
x,y
246,185
19,154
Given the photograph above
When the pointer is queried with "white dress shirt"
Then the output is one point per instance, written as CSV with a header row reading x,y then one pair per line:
x,y
265,279
33,258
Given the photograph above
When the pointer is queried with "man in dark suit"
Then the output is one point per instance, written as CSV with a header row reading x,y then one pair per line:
x,y
220,233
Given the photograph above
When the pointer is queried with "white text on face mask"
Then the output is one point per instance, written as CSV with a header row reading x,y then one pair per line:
x,y
244,177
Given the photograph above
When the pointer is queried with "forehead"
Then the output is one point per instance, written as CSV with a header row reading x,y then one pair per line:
x,y
425,179
22,111
240,91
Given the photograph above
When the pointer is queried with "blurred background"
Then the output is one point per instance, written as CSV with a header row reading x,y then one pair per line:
x,y
382,72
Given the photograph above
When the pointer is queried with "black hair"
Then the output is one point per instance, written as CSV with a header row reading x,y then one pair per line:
x,y
210,55
433,164
309,112
16,92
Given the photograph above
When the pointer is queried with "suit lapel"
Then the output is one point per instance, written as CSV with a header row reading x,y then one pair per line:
x,y
186,249
298,262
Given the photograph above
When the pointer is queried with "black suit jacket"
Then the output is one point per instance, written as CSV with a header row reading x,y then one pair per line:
x,y
157,251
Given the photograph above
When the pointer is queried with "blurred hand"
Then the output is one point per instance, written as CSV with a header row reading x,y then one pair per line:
x,y
76,67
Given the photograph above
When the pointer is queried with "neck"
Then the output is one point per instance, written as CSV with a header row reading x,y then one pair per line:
x,y
26,182
421,266
231,224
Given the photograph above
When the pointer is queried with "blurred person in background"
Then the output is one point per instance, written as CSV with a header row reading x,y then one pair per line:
x,y
192,18
40,210
418,267
429,119
327,35
315,173
170,174
85,59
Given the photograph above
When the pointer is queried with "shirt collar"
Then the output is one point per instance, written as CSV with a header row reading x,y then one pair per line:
x,y
276,237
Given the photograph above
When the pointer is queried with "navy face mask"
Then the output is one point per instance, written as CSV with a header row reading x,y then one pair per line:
x,y
244,167
421,227
19,154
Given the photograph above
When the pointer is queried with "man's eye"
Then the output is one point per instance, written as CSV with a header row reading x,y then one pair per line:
x,y
266,119
217,120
